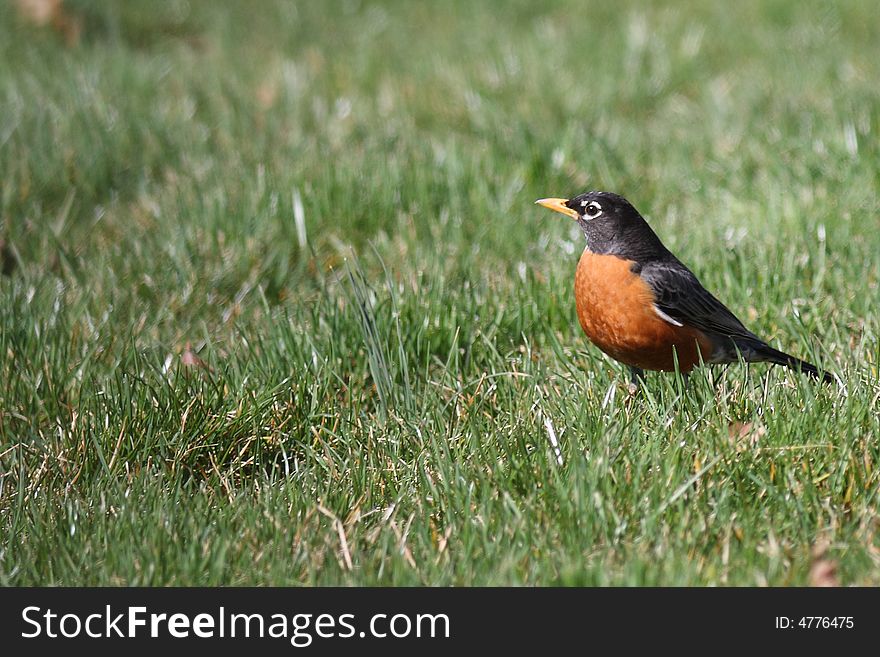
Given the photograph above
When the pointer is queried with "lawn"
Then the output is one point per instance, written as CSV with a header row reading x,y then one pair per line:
x,y
277,307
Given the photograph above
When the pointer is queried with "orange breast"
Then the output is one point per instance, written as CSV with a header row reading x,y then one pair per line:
x,y
616,310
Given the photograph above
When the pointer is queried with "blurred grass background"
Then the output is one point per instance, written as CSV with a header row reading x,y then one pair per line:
x,y
277,307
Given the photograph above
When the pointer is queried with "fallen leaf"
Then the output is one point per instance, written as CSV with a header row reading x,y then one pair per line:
x,y
51,13
823,571
189,358
745,434
39,12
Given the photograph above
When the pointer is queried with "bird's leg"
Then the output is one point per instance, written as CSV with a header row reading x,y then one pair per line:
x,y
636,378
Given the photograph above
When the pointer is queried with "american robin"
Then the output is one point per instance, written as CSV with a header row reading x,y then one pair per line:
x,y
640,305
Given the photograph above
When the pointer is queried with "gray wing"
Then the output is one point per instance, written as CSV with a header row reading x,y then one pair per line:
x,y
679,294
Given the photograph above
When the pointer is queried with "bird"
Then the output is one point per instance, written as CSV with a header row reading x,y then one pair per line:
x,y
642,306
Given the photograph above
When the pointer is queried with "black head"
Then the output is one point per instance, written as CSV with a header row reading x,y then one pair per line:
x,y
611,225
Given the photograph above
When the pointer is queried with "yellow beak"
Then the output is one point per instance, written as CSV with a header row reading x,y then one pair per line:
x,y
558,205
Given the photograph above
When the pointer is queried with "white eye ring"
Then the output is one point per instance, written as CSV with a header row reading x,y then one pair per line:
x,y
592,210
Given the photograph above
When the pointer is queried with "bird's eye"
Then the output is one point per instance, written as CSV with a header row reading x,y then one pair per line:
x,y
592,210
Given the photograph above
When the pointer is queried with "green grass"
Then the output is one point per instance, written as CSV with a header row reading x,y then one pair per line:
x,y
381,367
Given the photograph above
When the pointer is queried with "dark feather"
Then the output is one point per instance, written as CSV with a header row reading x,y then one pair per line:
x,y
680,295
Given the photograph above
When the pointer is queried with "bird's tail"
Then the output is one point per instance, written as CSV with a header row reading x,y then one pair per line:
x,y
772,355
